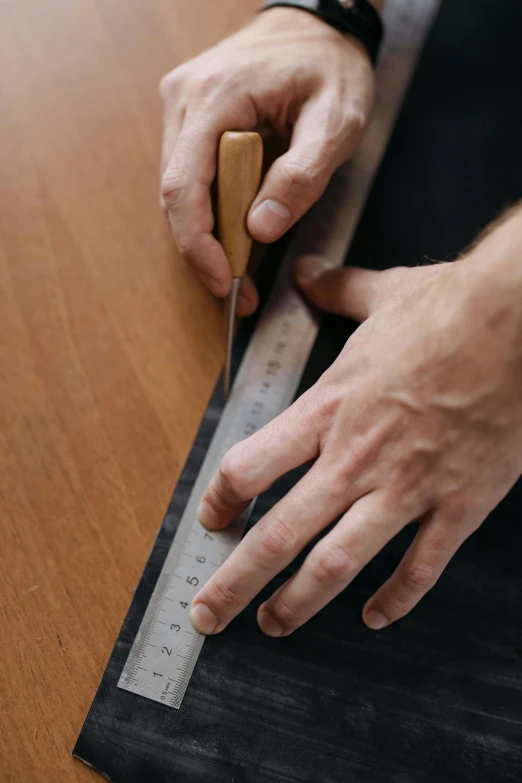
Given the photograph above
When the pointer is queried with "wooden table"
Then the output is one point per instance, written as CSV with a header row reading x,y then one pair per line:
x,y
109,346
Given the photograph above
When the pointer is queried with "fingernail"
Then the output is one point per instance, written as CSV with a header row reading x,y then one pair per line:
x,y
267,623
375,620
206,515
203,619
309,268
270,219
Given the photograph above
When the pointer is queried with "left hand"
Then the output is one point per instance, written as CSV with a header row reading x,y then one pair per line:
x,y
286,70
419,419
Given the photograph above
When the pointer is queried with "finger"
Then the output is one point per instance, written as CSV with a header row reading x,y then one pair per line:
x,y
266,549
173,117
332,564
350,291
186,192
171,127
433,547
297,179
248,298
252,465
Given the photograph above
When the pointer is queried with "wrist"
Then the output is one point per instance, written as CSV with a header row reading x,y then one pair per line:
x,y
493,268
291,19
287,20
357,19
497,253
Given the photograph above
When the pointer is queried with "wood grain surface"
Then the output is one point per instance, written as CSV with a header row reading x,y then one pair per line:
x,y
109,346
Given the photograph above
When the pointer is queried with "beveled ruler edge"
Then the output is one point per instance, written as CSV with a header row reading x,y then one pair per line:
x,y
166,648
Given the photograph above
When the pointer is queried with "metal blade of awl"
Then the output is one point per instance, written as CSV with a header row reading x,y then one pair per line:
x,y
230,326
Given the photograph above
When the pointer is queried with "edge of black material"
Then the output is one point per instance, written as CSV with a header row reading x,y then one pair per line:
x,y
436,697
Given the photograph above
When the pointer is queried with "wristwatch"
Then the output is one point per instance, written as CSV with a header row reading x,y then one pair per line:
x,y
357,17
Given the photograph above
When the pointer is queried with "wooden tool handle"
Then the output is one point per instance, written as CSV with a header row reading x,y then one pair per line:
x,y
239,172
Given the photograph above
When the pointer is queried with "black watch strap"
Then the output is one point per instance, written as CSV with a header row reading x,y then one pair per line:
x,y
357,17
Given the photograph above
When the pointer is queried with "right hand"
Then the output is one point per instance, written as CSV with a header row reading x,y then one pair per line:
x,y
418,419
290,71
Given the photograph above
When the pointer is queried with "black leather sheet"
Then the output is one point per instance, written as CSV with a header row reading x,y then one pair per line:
x,y
437,697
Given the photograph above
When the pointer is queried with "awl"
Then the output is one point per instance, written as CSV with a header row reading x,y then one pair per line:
x,y
240,161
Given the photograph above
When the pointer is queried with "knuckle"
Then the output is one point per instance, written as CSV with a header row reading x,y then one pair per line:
x,y
170,83
287,615
300,177
163,87
397,606
356,123
232,474
221,596
418,577
185,247
347,466
185,240
205,85
277,536
330,564
459,510
324,400
171,190
334,120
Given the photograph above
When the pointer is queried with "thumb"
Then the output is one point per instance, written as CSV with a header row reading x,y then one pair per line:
x,y
296,179
345,290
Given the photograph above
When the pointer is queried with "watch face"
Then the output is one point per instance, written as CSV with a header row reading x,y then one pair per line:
x,y
348,4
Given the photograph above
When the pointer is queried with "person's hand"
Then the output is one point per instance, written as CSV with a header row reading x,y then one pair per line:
x,y
419,419
287,70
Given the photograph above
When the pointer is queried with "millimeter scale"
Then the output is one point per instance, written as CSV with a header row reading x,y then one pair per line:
x,y
166,648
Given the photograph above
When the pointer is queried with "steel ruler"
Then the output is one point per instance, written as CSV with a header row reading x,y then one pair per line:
x,y
166,647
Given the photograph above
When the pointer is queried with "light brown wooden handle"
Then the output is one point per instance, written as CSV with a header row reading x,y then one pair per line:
x,y
240,160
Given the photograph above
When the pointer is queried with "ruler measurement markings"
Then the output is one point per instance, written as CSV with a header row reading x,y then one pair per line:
x,y
270,372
